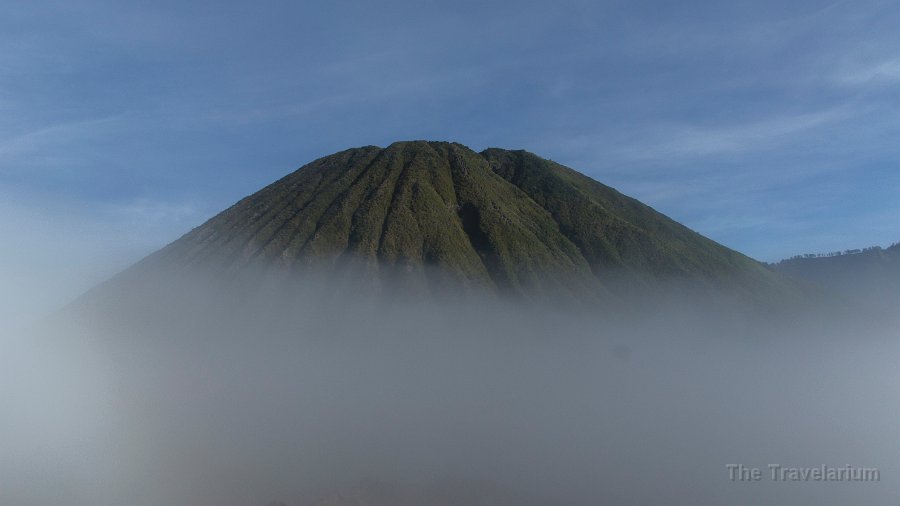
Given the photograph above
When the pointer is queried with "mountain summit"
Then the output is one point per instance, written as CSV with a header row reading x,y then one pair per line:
x,y
437,214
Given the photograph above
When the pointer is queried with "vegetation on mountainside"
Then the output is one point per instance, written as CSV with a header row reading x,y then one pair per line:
x,y
441,214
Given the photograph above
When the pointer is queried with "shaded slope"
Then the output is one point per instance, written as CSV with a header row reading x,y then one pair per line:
x,y
618,234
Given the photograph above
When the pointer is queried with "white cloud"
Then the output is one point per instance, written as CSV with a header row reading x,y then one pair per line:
x,y
883,72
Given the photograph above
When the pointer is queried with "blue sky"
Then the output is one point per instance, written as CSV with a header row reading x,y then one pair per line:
x,y
769,126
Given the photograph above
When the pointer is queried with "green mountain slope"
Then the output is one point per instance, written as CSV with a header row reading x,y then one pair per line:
x,y
435,214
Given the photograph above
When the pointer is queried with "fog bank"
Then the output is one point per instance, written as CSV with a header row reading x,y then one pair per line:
x,y
472,402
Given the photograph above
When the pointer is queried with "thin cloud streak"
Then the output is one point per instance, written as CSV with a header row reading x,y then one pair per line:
x,y
885,72
51,138
688,141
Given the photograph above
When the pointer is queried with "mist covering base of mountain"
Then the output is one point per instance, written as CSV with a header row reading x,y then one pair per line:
x,y
311,400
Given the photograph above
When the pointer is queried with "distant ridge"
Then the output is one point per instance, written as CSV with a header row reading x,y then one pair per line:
x,y
869,276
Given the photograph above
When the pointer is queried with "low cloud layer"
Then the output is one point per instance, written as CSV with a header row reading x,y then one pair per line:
x,y
549,406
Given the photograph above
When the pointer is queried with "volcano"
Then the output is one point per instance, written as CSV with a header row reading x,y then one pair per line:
x,y
422,217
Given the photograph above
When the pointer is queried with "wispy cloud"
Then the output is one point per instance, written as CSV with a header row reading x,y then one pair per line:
x,y
882,72
691,141
52,142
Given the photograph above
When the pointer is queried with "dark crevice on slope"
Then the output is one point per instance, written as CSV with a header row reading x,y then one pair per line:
x,y
470,217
